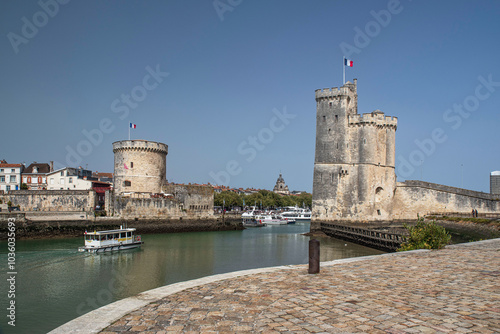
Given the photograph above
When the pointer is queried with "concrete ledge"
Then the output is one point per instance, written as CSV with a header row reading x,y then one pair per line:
x,y
95,321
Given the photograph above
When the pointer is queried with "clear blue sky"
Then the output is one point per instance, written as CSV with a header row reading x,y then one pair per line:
x,y
232,69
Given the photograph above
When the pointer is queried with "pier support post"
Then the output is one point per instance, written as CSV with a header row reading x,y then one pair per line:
x,y
313,256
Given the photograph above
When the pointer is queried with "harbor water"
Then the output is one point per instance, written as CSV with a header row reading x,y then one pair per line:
x,y
55,283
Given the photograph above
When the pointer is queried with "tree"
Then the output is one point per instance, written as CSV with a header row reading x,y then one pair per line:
x,y
268,199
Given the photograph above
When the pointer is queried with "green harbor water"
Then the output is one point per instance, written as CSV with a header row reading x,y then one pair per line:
x,y
55,283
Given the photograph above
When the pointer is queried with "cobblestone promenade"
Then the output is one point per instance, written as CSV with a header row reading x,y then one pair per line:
x,y
454,290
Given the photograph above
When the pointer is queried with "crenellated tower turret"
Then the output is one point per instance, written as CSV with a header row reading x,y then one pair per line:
x,y
354,174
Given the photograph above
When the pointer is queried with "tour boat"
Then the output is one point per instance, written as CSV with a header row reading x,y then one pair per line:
x,y
252,222
299,214
106,241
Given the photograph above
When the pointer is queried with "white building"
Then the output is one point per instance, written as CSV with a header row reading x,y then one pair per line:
x,y
69,178
495,182
10,176
35,176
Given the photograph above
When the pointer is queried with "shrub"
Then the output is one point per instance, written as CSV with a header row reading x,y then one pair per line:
x,y
425,235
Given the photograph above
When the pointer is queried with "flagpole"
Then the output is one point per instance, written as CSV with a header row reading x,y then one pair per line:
x,y
343,70
129,132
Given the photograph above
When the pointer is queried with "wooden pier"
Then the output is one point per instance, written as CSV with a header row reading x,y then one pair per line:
x,y
387,241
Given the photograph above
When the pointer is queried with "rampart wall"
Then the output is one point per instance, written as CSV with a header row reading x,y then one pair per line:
x,y
51,200
195,199
186,201
418,197
126,207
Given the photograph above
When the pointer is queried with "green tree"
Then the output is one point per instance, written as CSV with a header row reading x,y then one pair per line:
x,y
24,186
228,199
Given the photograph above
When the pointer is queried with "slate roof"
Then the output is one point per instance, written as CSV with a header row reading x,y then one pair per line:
x,y
42,168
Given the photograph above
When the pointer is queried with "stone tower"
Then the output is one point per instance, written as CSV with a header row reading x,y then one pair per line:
x,y
281,187
354,175
140,166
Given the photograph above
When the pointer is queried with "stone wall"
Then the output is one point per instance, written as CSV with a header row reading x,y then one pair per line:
x,y
187,201
51,229
126,207
52,200
195,199
417,197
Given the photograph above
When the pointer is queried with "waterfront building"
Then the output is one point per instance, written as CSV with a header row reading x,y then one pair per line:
x,y
35,176
103,177
281,187
10,176
495,182
69,178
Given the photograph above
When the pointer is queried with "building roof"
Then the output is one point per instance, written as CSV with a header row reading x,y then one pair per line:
x,y
99,174
10,165
43,168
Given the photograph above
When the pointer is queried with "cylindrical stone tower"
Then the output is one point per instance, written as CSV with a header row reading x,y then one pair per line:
x,y
140,166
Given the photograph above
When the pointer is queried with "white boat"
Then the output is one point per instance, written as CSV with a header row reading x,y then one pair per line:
x,y
252,222
271,219
299,214
250,213
112,240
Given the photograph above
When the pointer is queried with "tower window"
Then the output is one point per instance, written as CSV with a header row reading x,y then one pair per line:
x,y
364,141
330,104
127,183
131,165
336,118
324,118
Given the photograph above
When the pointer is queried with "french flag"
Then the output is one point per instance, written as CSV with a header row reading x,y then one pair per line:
x,y
348,62
133,126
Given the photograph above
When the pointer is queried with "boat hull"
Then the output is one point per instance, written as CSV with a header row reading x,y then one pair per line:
x,y
111,248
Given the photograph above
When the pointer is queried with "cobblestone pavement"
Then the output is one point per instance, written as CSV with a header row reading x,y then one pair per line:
x,y
454,290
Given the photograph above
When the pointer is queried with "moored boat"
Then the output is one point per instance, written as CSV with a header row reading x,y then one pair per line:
x,y
298,214
111,240
252,222
271,219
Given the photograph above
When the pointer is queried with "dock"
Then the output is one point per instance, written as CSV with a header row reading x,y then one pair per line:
x,y
379,239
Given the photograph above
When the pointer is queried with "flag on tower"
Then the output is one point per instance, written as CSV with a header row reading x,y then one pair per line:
x,y
133,126
348,62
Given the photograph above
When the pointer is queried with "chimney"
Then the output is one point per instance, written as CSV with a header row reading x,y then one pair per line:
x,y
51,166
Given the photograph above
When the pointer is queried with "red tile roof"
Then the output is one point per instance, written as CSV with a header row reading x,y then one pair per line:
x,y
10,165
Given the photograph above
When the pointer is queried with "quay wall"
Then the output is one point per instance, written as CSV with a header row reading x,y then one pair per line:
x,y
26,229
